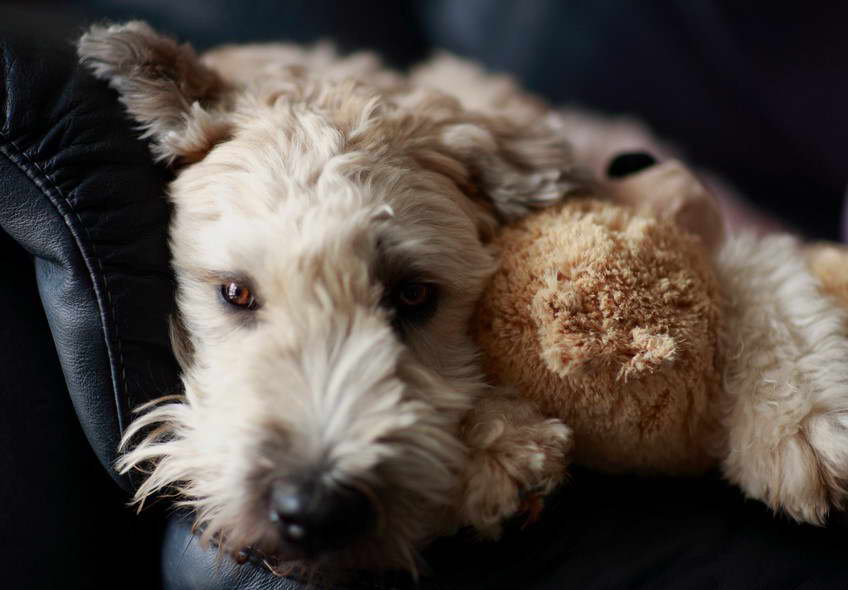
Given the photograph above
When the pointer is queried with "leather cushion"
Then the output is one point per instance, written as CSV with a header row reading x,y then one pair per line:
x,y
79,193
57,504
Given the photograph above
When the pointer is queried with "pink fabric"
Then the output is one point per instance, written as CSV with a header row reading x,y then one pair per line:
x,y
738,213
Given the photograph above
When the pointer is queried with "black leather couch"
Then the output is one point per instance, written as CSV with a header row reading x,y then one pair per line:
x,y
85,294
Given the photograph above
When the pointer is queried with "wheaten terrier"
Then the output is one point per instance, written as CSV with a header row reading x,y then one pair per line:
x,y
330,238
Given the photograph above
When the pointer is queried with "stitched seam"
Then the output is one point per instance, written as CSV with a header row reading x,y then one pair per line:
x,y
39,181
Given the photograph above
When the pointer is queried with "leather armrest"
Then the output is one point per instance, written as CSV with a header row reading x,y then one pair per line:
x,y
80,194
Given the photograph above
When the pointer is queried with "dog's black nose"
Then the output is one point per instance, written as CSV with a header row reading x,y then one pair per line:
x,y
315,518
629,163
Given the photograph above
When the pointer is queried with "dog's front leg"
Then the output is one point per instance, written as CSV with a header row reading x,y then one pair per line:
x,y
516,457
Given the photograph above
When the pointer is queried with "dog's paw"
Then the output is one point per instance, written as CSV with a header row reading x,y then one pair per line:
x,y
785,400
511,469
804,476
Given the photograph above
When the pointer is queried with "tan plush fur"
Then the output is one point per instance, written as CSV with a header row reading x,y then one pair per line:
x,y
829,263
663,358
609,321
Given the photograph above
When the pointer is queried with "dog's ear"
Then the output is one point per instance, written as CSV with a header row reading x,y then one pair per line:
x,y
515,168
163,85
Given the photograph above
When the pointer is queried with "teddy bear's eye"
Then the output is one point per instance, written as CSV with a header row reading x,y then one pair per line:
x,y
238,295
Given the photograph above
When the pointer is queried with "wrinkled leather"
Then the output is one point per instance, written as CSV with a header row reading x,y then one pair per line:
x,y
88,205
57,504
186,566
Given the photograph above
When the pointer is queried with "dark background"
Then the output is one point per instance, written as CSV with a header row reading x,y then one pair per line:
x,y
756,91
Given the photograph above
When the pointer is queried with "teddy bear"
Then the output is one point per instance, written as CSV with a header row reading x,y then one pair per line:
x,y
670,345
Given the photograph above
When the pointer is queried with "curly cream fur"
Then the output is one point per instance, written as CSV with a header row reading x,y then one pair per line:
x,y
320,181
786,381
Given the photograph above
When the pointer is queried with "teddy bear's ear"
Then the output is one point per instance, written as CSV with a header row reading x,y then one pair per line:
x,y
667,191
163,85
829,263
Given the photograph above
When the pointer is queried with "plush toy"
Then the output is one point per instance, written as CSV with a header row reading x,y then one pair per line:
x,y
669,347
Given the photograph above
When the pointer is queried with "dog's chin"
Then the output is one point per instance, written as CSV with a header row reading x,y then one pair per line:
x,y
284,559
366,554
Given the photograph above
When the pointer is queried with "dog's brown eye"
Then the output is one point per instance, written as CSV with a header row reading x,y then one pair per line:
x,y
238,295
411,302
414,294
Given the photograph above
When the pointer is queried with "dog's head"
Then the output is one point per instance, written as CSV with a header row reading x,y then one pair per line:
x,y
329,242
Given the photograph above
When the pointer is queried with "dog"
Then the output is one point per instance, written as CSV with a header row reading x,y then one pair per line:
x,y
332,232
330,237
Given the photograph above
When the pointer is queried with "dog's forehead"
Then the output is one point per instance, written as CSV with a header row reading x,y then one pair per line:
x,y
266,162
333,231
238,220
291,184
299,152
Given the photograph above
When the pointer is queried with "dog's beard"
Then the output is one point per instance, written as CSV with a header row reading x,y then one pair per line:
x,y
219,459
321,374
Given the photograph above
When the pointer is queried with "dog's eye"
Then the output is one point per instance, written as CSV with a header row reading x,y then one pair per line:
x,y
414,294
414,300
238,295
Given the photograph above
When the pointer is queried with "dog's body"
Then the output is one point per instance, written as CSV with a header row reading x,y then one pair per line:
x,y
330,238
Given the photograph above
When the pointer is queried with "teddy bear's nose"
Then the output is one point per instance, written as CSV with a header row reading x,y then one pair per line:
x,y
629,163
314,518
